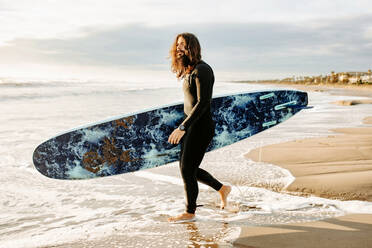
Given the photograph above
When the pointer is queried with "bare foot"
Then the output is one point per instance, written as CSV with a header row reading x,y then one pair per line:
x,y
224,192
182,217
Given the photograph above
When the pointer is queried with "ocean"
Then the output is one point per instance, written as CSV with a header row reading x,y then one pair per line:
x,y
131,210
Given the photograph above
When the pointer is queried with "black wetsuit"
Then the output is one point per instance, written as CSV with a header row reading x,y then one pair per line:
x,y
198,88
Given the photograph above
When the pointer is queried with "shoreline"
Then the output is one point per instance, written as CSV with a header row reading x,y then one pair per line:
x,y
337,89
311,85
327,160
336,167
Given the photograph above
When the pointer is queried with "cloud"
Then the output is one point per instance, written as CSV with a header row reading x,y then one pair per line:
x,y
316,46
124,46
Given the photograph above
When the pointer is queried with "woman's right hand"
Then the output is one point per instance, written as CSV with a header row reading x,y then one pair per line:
x,y
176,136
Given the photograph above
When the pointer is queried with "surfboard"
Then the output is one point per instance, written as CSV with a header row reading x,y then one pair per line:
x,y
139,140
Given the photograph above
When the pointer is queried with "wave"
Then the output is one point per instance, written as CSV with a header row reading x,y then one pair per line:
x,y
79,92
12,83
9,83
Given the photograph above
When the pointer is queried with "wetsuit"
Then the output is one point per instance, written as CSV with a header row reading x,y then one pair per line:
x,y
199,126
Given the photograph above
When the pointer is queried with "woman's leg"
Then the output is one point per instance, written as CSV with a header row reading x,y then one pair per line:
x,y
190,183
189,167
203,176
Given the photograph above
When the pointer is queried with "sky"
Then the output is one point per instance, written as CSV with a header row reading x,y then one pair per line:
x,y
130,40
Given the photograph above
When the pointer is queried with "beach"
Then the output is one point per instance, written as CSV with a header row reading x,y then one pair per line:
x,y
131,210
338,166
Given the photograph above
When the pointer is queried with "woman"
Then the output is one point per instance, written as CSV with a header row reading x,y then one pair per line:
x,y
197,129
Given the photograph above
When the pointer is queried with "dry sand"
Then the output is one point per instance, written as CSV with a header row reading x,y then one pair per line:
x,y
338,167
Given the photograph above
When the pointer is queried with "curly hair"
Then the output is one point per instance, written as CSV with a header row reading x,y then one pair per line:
x,y
193,52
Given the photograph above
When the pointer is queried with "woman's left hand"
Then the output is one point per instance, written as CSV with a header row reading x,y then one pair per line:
x,y
176,136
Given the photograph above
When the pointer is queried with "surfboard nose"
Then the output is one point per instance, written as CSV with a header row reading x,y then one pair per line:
x,y
44,159
39,159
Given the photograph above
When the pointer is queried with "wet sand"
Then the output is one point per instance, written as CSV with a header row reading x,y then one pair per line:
x,y
337,167
353,102
342,232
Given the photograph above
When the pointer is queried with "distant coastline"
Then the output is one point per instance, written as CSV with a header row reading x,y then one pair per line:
x,y
333,79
